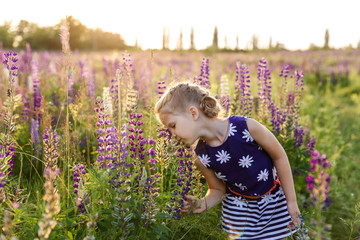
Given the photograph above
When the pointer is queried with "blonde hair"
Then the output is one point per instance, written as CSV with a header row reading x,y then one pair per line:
x,y
184,94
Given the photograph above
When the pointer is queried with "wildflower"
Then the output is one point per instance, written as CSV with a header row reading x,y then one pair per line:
x,y
318,179
203,79
79,187
52,208
242,93
224,93
161,87
108,138
264,83
51,148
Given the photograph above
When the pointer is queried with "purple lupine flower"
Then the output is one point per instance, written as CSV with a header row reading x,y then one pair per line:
x,y
36,89
299,133
105,67
34,129
10,59
264,82
242,89
203,79
25,114
318,179
276,118
71,91
310,144
26,60
108,140
161,88
79,187
185,179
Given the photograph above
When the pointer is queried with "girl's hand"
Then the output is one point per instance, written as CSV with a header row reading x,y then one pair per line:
x,y
193,204
295,214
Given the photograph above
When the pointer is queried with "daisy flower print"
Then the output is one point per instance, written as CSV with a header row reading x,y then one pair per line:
x,y
246,161
222,157
263,175
205,160
241,186
239,202
220,176
247,136
267,198
232,130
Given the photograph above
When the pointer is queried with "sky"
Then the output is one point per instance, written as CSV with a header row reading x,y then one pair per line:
x,y
294,23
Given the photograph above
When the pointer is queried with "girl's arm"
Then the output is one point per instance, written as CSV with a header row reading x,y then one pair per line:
x,y
277,153
216,190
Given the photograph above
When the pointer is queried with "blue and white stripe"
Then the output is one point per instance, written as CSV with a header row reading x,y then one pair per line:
x,y
256,219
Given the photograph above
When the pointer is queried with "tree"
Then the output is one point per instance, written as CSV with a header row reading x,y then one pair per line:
x,y
215,39
237,43
6,37
326,44
166,37
180,41
192,43
270,43
254,42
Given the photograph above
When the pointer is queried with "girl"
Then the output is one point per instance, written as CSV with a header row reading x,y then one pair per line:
x,y
240,160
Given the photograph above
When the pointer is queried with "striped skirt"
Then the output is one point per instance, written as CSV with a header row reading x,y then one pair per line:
x,y
266,218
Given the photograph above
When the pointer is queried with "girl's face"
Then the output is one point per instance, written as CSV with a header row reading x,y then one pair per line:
x,y
182,126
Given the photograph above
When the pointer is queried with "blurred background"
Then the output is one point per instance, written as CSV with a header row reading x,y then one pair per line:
x,y
180,25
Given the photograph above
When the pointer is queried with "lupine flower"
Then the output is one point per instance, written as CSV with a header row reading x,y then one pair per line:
x,y
242,98
318,179
161,88
79,187
71,82
10,59
299,133
34,129
51,148
107,137
264,83
52,208
203,79
7,149
185,181
224,93
108,107
27,108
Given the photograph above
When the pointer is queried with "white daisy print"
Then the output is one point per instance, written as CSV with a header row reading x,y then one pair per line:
x,y
205,160
245,161
260,148
239,185
263,175
220,176
222,157
240,202
247,136
267,198
232,130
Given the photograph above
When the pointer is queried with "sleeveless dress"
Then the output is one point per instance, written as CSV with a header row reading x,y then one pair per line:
x,y
248,170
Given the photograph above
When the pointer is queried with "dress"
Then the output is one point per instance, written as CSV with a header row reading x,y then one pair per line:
x,y
248,170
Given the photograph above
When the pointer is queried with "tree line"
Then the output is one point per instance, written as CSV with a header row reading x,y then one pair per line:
x,y
48,37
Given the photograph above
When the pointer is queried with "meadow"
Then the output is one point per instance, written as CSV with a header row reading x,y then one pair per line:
x,y
82,155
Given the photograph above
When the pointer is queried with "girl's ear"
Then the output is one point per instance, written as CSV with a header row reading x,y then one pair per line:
x,y
194,112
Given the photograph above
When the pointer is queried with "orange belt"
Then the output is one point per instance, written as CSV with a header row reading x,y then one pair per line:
x,y
276,182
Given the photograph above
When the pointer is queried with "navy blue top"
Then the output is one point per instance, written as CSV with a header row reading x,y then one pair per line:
x,y
243,165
